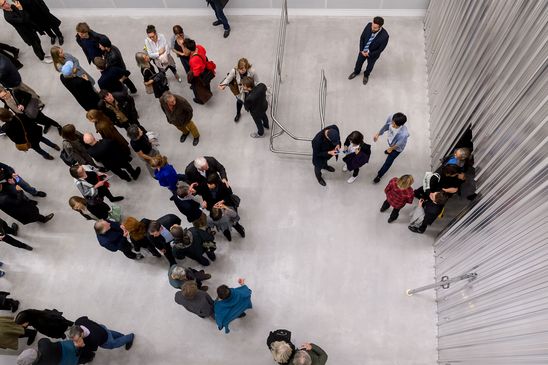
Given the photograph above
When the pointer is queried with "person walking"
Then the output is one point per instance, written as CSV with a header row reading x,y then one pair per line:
x,y
193,243
310,354
6,233
234,81
202,71
231,303
108,152
88,40
356,154
194,300
111,236
60,58
179,114
325,145
155,82
223,218
113,58
75,151
80,87
46,22
159,50
91,335
178,275
373,41
397,140
92,184
218,6
256,104
20,19
399,192
50,323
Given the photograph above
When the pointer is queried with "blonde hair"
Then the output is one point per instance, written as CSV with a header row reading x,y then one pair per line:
x,y
405,181
189,289
158,162
95,115
281,351
243,63
58,60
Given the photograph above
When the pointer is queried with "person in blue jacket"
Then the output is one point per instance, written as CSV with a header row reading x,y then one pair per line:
x,y
231,304
397,139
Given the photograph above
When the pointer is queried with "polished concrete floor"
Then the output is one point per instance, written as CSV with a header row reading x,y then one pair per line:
x,y
321,261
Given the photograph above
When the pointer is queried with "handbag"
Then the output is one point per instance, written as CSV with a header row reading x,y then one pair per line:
x,y
233,85
32,109
23,146
115,213
149,89
417,217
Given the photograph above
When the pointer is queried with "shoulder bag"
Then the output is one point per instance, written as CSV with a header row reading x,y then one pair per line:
x,y
23,146
32,109
233,85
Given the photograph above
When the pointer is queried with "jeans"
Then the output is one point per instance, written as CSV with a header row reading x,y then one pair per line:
x,y
219,13
359,63
261,121
26,186
116,339
389,160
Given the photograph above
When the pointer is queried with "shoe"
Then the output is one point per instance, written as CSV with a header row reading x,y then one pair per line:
x,y
351,179
240,229
41,194
117,199
1,264
53,40
130,343
211,255
135,176
46,128
365,79
198,101
183,137
60,130
14,306
15,228
226,33
242,315
227,234
48,217
237,117
266,127
57,148
376,180
139,256
204,288
27,247
216,23
16,54
384,208
390,220
352,75
330,168
413,229
207,277
32,337
61,40
345,169
321,181
48,157
2,273
47,60
256,135
196,141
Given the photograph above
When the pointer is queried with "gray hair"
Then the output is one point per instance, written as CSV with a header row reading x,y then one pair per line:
x,y
302,358
178,273
27,357
140,59
75,330
167,96
200,162
281,351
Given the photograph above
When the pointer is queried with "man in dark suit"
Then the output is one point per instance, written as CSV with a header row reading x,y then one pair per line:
x,y
109,153
158,233
325,145
256,104
199,170
111,236
373,41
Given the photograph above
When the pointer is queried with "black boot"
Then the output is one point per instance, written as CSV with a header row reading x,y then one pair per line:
x,y
240,229
227,234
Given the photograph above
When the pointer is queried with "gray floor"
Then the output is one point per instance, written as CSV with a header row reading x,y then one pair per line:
x,y
322,262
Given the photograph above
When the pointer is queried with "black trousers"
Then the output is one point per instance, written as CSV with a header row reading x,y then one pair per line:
x,y
130,85
54,32
127,250
359,63
395,212
10,52
239,105
37,47
46,121
122,171
37,148
261,121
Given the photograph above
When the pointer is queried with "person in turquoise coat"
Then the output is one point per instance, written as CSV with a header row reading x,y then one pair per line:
x,y
231,304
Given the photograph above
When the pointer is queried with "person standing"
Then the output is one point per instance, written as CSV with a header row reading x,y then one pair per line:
x,y
11,332
92,209
74,146
193,243
8,304
92,183
179,113
52,353
256,104
119,107
429,209
234,81
202,71
108,152
177,46
373,41
112,78
231,304
397,140
137,232
48,322
158,233
199,170
325,145
91,335
60,58
80,87
10,77
165,173
21,208
88,40
155,82
190,205
194,300
159,50
21,20
280,346
310,354
6,233
223,218
399,192
111,236
218,6
143,147
356,154
105,127
178,275
44,19
13,180
113,58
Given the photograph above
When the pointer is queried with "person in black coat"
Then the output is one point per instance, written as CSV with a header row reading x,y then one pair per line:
x,y
88,40
48,322
373,41
112,237
193,243
113,58
199,170
112,78
44,19
158,233
6,232
8,304
82,90
21,208
21,20
12,53
256,104
114,158
21,130
218,191
432,206
325,145
119,107
190,205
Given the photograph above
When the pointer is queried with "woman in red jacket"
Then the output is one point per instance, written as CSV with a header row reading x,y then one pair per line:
x,y
202,71
398,193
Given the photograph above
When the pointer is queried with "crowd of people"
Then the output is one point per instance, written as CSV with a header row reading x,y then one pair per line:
x,y
202,192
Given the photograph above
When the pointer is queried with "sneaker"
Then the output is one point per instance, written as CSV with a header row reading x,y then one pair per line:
x,y
196,141
237,117
351,179
216,23
15,228
345,169
135,176
365,79
130,343
330,168
207,277
41,194
352,75
183,137
139,256
226,33
117,199
256,135
376,180
47,60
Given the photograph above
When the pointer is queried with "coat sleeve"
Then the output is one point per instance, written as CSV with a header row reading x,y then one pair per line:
x,y
362,37
377,52
322,355
229,77
218,166
8,169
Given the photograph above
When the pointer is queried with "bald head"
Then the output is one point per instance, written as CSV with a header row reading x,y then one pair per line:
x,y
89,139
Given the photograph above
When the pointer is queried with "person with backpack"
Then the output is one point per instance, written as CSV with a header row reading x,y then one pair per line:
x,y
74,150
427,211
202,71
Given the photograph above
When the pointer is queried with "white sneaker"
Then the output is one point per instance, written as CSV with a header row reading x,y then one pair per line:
x,y
47,60
351,179
345,169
